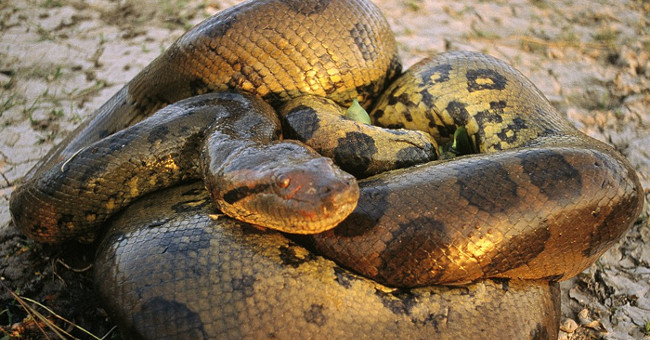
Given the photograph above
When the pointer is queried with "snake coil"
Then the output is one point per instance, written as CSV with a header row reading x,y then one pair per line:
x,y
538,202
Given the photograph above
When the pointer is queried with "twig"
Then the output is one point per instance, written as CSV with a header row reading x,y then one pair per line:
x,y
62,318
79,270
36,316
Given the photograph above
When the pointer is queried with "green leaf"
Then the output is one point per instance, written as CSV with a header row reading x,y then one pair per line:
x,y
461,145
357,113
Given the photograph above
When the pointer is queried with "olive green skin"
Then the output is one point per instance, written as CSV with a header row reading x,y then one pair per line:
x,y
276,49
248,47
359,149
540,200
536,177
172,267
228,139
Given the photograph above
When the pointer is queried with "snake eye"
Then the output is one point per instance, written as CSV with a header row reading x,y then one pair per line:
x,y
283,182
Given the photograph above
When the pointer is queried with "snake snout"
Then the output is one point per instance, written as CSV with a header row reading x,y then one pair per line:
x,y
320,194
284,186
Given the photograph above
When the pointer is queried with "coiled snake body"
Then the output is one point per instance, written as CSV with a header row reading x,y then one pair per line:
x,y
538,203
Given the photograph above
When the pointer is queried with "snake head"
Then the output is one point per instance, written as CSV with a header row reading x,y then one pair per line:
x,y
284,186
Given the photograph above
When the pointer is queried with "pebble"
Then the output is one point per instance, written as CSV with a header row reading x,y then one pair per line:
x,y
583,317
4,80
568,325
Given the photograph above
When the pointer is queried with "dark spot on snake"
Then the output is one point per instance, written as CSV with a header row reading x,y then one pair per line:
x,y
428,99
289,256
219,25
58,180
301,123
395,126
517,252
373,196
237,194
412,155
244,285
423,233
490,198
354,151
159,132
441,72
485,79
395,69
343,277
540,333
39,229
429,116
552,174
458,112
185,240
315,315
603,236
517,124
491,115
408,116
365,91
403,98
355,224
360,34
307,7
498,107
174,315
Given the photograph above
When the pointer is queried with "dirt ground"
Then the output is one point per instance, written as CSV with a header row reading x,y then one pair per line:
x,y
61,59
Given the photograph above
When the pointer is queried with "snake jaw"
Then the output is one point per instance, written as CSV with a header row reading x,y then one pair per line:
x,y
318,197
284,186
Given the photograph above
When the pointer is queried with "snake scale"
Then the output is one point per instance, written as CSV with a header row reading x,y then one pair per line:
x,y
537,202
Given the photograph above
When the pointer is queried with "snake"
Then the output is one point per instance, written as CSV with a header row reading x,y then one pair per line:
x,y
467,247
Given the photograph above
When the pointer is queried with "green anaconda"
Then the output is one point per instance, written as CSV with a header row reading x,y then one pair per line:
x,y
537,203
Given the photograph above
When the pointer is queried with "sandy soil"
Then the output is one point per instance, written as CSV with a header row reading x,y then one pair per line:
x,y
61,59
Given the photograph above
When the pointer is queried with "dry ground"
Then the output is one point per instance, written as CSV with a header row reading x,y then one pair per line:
x,y
61,59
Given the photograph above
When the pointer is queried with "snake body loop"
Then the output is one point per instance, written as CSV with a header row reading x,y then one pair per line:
x,y
531,205
539,202
200,277
275,49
